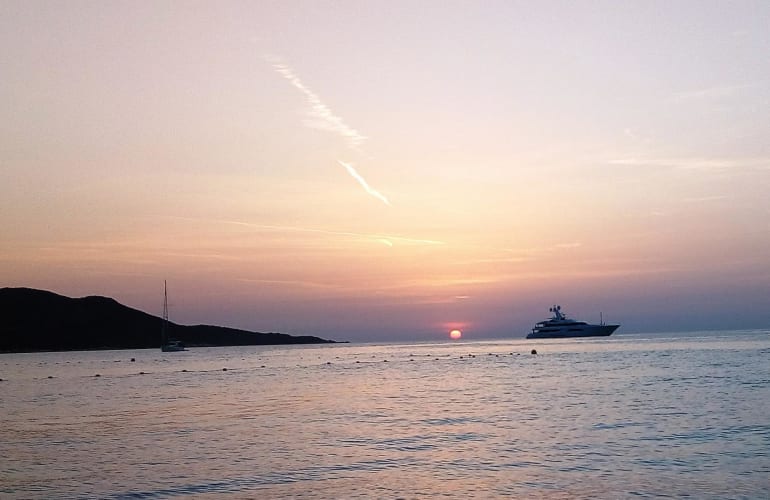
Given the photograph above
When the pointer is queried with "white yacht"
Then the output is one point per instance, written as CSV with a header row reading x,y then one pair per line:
x,y
560,327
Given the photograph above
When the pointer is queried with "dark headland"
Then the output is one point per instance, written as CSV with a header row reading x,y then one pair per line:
x,y
37,320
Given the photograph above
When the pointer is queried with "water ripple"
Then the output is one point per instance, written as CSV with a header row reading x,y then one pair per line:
x,y
620,418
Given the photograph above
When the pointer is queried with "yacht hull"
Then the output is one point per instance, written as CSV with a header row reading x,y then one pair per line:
x,y
571,332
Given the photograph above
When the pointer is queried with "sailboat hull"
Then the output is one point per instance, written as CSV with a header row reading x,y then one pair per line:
x,y
172,347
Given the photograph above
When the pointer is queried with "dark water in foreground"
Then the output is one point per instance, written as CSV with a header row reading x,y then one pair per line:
x,y
622,417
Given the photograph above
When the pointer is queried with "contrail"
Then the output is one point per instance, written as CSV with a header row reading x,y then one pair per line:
x,y
327,120
362,181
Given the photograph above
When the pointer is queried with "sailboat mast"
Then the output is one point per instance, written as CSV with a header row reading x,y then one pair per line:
x,y
163,331
165,302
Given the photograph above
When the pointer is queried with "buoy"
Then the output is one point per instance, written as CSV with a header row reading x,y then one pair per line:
x,y
224,369
97,375
133,360
184,370
141,373
50,376
534,351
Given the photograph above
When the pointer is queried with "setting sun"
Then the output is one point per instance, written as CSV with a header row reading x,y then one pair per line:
x,y
455,334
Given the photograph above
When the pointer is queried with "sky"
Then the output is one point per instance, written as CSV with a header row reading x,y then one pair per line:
x,y
391,170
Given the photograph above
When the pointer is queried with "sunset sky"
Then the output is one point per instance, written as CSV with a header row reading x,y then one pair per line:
x,y
391,170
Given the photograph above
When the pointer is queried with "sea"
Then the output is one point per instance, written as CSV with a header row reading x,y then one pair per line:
x,y
679,415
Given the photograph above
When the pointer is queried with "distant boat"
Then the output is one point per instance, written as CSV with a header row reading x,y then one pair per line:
x,y
166,344
561,327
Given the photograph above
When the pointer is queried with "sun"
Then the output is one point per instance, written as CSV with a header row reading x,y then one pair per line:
x,y
455,334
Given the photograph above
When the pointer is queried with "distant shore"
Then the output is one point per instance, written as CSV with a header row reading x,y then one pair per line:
x,y
43,321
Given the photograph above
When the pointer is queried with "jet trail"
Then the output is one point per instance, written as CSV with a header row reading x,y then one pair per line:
x,y
362,181
382,238
327,120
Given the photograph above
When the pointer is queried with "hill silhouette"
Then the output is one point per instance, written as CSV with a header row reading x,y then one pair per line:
x,y
38,320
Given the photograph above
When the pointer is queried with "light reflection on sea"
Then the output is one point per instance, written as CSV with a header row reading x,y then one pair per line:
x,y
627,416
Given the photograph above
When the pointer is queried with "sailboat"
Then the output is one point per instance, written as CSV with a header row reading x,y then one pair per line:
x,y
166,344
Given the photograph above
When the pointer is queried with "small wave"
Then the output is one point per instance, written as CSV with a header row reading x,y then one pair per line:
x,y
449,421
251,483
617,425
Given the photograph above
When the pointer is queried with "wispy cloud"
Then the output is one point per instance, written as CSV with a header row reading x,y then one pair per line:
x,y
694,163
714,92
704,199
635,136
291,283
362,181
495,260
572,244
380,238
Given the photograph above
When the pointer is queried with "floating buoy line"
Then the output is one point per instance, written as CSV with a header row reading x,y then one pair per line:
x,y
411,358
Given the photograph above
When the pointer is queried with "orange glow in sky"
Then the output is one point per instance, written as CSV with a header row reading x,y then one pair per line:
x,y
291,167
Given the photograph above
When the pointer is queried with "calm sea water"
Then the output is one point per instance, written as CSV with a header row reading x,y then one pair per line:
x,y
621,417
